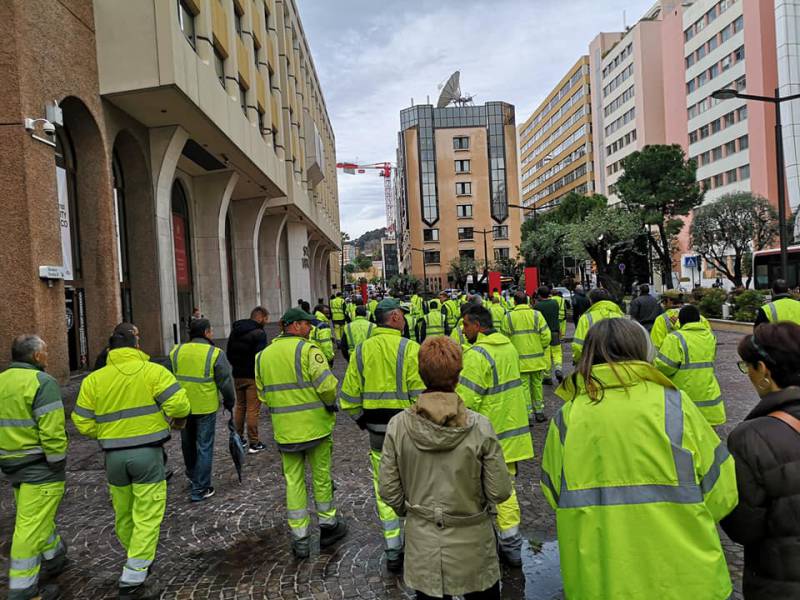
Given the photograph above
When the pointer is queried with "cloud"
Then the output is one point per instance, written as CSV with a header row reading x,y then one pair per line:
x,y
372,58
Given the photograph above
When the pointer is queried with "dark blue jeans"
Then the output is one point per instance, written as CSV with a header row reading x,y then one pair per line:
x,y
197,443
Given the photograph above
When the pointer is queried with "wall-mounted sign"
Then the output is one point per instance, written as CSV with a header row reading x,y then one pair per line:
x,y
181,256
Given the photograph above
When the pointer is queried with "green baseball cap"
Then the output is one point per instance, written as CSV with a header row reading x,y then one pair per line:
x,y
293,315
387,304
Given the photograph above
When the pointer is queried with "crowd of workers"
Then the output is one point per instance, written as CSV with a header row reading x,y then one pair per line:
x,y
448,390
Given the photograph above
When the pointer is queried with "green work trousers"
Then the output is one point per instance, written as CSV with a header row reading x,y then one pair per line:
x,y
392,532
534,396
35,540
294,471
138,488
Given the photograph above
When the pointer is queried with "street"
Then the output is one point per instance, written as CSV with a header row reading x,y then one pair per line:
x,y
237,545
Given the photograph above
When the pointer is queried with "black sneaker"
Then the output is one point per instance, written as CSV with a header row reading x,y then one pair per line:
x,y
540,418
146,591
394,561
256,448
205,495
301,548
330,534
48,592
559,375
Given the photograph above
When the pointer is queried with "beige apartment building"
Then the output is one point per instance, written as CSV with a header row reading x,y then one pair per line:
x,y
555,143
456,177
181,157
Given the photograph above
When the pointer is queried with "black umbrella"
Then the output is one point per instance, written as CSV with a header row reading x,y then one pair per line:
x,y
238,448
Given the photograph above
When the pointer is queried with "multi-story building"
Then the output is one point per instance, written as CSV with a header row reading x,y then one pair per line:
x,y
457,175
390,263
555,143
627,96
187,162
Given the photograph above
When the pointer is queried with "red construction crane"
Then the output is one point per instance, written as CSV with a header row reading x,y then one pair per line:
x,y
384,170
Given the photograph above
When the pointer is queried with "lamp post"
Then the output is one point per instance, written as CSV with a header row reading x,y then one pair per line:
x,y
729,94
533,208
484,233
424,270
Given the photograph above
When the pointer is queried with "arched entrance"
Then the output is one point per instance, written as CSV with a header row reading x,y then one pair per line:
x,y
123,254
181,235
74,292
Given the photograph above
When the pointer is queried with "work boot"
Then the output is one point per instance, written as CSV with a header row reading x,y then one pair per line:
x,y
394,561
330,534
547,381
301,547
48,592
55,566
149,590
559,375
511,550
539,416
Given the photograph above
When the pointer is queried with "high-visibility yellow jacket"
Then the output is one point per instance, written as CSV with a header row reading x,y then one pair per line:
x,y
411,324
562,313
416,306
605,309
687,357
783,309
31,422
337,309
371,306
357,331
502,300
193,365
382,379
528,331
350,310
123,405
323,338
666,323
294,381
452,311
457,335
490,384
434,323
641,479
498,315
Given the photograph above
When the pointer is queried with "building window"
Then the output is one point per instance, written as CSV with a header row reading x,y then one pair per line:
x,y
730,148
500,253
462,166
744,172
464,211
718,180
716,153
431,257
219,67
467,254
716,126
744,143
730,176
500,232
466,233
430,235
243,98
463,188
461,143
186,21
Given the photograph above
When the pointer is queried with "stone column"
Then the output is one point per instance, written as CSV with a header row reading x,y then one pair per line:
x,y
246,217
299,259
269,236
209,209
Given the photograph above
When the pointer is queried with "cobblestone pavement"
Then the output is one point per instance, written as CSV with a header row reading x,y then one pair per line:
x,y
236,545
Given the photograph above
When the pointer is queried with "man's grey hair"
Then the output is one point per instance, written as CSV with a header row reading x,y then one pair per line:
x,y
25,346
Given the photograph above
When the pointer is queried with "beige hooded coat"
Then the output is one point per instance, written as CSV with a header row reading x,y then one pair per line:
x,y
443,468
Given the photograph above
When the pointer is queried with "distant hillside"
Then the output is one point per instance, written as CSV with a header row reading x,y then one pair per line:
x,y
370,242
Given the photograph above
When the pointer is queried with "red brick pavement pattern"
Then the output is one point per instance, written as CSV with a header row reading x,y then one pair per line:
x,y
236,545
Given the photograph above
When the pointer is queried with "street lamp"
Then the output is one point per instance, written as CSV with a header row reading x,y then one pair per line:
x,y
484,232
424,270
729,94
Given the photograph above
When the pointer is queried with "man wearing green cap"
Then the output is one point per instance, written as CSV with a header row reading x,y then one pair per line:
x,y
294,381
382,380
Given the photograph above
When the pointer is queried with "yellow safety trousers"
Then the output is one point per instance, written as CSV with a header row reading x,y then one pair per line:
x,y
508,512
294,472
392,531
532,386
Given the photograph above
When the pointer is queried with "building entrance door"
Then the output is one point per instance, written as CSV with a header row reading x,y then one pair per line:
x,y
183,260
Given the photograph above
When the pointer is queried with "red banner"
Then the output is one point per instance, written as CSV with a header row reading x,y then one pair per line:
x,y
531,280
364,293
181,256
494,282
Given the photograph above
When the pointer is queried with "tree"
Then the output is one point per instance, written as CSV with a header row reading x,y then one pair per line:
x,y
349,268
660,183
509,267
460,269
362,262
405,284
734,225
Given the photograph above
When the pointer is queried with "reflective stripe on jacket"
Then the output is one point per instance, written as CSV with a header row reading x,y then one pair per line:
x,y
322,337
294,381
31,417
498,315
666,323
490,384
457,335
434,323
193,367
383,375
357,331
528,331
641,478
687,357
783,309
123,405
337,309
452,310
604,309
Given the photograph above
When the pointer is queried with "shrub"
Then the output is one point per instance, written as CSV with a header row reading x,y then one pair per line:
x,y
746,305
711,301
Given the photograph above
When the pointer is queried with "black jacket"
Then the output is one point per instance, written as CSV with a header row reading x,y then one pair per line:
x,y
580,304
247,339
645,309
767,520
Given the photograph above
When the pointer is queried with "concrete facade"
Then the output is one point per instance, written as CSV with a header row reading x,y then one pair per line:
x,y
457,174
194,167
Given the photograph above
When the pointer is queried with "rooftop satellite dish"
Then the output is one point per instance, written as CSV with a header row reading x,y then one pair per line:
x,y
451,92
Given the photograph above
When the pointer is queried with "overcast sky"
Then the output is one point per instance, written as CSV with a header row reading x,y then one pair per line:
x,y
372,57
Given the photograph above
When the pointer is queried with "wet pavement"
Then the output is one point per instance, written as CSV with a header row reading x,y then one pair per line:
x,y
236,545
